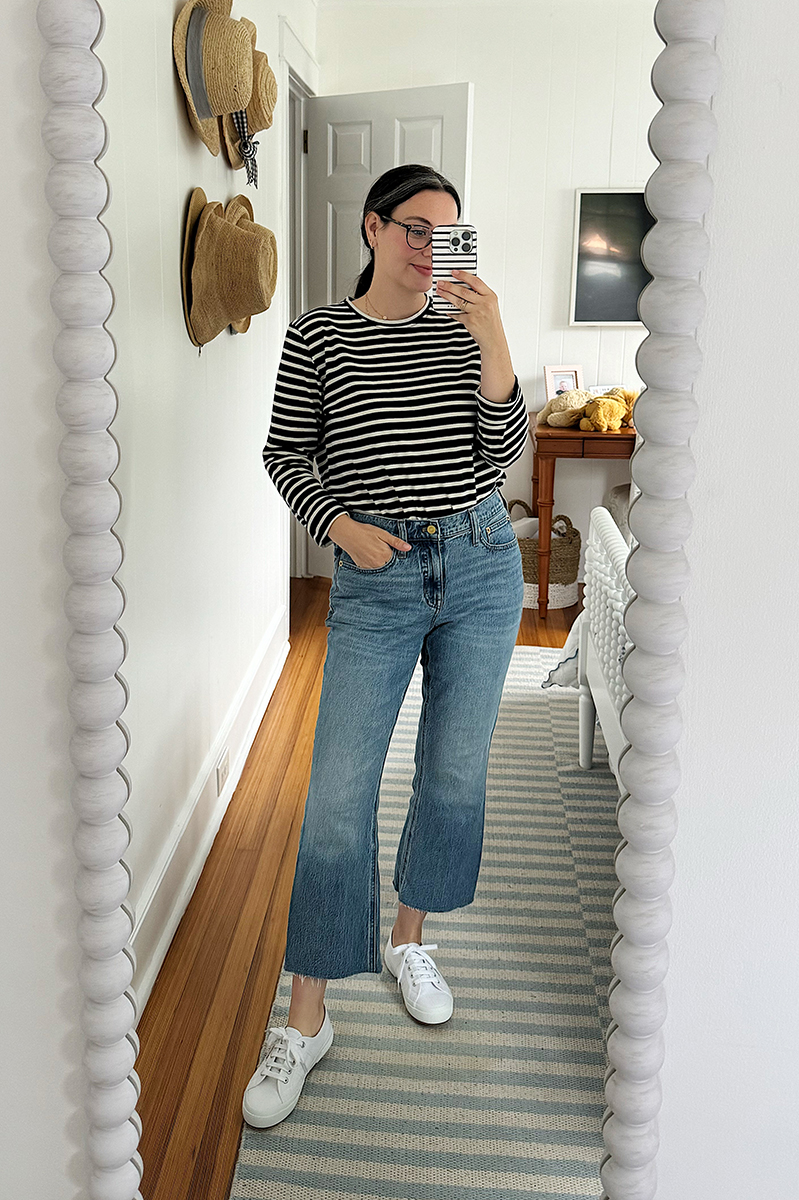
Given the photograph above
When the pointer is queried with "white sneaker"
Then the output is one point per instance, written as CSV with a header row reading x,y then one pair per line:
x,y
275,1086
424,989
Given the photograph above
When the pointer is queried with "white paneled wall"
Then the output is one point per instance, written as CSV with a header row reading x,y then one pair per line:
x,y
562,100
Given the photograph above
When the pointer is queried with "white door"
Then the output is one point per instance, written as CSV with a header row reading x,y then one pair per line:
x,y
352,139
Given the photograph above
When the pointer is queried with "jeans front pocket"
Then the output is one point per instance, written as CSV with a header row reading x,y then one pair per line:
x,y
346,561
498,533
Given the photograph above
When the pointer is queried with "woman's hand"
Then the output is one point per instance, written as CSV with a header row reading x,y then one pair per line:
x,y
480,308
480,314
365,544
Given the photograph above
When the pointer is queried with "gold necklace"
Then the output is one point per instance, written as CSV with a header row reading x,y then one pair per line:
x,y
374,310
380,315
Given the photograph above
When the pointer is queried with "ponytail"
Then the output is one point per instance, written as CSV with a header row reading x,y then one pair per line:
x,y
366,276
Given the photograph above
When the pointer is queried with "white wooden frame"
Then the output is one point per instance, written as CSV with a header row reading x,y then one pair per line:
x,y
679,192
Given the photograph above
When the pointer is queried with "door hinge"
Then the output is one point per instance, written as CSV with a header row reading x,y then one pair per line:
x,y
305,141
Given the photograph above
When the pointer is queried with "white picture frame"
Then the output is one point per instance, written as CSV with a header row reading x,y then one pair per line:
x,y
560,379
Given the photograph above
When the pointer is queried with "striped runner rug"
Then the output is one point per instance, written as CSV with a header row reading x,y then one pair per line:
x,y
504,1100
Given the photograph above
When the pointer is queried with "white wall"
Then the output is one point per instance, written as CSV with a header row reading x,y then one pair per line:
x,y
730,1094
731,1078
204,531
562,99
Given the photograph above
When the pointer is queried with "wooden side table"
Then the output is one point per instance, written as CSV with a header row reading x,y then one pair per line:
x,y
549,444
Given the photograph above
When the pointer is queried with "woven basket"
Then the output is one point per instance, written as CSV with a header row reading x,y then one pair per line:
x,y
563,563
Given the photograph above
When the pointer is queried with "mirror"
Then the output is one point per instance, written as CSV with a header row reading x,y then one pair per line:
x,y
678,194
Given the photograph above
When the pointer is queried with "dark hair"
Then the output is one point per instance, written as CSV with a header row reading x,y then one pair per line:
x,y
393,188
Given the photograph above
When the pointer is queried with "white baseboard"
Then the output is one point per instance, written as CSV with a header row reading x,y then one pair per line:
x,y
171,884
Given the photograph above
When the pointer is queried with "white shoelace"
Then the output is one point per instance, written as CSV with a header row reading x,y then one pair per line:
x,y
421,967
281,1057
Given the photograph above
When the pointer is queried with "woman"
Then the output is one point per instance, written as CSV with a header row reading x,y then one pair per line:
x,y
412,415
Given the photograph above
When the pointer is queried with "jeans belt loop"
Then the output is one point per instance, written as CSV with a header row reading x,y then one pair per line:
x,y
475,527
403,533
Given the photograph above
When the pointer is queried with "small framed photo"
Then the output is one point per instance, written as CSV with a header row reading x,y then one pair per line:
x,y
561,379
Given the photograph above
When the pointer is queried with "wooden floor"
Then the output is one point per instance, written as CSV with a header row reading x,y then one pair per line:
x,y
203,1026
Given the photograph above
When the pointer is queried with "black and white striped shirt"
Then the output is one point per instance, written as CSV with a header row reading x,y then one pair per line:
x,y
391,412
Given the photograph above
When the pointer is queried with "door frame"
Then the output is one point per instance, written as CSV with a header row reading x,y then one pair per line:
x,y
300,79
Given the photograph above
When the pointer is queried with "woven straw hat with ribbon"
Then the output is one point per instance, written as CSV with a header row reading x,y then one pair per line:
x,y
229,267
239,146
214,60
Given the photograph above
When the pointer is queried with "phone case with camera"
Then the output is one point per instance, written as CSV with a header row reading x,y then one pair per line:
x,y
454,248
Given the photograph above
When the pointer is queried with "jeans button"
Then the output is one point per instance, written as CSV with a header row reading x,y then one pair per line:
x,y
431,528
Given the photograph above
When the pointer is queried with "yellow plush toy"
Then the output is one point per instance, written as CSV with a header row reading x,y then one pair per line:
x,y
602,414
627,398
611,411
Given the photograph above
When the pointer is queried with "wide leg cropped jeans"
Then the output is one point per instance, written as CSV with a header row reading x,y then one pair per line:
x,y
455,598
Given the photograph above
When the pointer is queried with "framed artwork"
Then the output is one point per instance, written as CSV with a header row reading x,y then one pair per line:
x,y
561,379
608,275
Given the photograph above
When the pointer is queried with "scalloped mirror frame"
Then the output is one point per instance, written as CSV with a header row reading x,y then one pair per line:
x,y
678,194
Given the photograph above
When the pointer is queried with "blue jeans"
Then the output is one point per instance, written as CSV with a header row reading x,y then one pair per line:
x,y
456,598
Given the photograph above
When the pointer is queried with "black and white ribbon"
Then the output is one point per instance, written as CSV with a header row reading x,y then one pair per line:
x,y
247,147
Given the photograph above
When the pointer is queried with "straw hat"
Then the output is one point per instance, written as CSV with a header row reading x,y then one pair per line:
x,y
197,203
239,209
261,105
213,55
231,267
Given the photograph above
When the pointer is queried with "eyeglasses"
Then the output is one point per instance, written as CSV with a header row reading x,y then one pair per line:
x,y
417,236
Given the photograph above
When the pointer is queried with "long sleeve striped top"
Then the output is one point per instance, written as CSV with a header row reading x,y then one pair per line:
x,y
391,412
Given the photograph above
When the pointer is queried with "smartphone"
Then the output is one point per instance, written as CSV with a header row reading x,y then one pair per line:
x,y
454,248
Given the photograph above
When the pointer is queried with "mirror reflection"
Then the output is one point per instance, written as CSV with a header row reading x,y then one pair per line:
x,y
393,733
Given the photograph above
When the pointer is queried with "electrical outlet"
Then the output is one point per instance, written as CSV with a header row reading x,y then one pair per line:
x,y
222,771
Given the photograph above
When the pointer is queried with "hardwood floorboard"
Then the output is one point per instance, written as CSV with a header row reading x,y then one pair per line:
x,y
202,1029
213,1171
